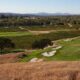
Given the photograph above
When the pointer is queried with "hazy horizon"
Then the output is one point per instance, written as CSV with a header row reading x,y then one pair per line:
x,y
38,6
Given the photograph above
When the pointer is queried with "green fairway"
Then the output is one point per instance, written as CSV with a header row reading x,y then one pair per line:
x,y
69,51
12,34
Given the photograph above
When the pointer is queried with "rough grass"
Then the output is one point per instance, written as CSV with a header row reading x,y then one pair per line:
x,y
27,40
33,28
24,38
41,71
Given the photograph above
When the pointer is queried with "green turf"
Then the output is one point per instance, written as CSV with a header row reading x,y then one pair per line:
x,y
70,51
12,34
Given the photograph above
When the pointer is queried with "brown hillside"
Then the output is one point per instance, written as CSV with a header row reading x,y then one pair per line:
x,y
40,71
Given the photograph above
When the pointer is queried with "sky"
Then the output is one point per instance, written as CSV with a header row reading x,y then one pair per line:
x,y
36,6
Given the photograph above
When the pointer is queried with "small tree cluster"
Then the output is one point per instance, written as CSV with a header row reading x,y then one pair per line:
x,y
6,43
40,44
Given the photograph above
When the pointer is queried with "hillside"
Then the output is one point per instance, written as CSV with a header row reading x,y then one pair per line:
x,y
69,50
66,49
41,71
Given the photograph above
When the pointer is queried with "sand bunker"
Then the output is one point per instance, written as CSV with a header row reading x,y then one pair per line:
x,y
36,60
49,54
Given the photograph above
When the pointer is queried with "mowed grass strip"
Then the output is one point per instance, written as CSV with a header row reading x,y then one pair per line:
x,y
6,34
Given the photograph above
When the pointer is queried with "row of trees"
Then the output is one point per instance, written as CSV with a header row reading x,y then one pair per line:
x,y
41,44
6,43
30,21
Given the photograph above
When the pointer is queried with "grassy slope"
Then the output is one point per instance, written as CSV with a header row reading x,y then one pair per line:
x,y
69,51
27,40
34,54
41,71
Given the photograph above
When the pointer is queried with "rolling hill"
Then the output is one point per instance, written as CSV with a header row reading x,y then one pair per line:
x,y
37,14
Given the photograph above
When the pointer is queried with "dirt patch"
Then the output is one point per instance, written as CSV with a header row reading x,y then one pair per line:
x,y
39,32
11,57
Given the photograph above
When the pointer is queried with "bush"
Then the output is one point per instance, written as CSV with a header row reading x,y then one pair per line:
x,y
6,43
40,44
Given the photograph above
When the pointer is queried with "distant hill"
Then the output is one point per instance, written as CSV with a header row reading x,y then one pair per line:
x,y
53,14
15,14
36,14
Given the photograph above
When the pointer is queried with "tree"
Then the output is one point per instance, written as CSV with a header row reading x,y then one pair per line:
x,y
6,43
40,44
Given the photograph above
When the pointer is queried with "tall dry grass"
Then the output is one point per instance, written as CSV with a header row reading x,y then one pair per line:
x,y
41,71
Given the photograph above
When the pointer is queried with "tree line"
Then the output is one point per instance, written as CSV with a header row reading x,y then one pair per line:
x,y
38,21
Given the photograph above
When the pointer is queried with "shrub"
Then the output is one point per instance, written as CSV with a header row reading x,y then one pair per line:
x,y
6,43
40,44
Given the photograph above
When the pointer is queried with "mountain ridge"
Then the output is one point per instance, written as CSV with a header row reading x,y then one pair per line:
x,y
37,14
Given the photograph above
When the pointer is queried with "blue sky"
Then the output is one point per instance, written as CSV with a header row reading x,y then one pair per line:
x,y
35,6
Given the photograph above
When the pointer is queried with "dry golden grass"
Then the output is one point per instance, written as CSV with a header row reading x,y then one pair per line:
x,y
41,71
